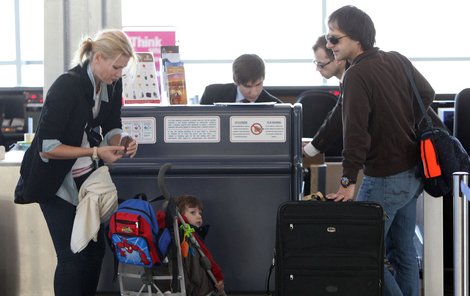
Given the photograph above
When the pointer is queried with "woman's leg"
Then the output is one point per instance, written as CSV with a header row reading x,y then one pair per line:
x,y
76,274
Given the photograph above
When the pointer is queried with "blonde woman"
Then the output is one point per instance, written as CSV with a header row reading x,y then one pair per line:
x,y
67,149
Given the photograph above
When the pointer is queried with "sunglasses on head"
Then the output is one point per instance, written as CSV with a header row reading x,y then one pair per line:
x,y
333,39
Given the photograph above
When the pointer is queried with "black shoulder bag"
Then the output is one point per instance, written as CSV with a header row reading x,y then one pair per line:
x,y
441,153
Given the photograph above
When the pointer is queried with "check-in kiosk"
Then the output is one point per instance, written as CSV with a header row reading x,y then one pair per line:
x,y
20,108
241,160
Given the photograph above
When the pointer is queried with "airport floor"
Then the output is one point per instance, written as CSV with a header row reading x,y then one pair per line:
x,y
446,293
143,294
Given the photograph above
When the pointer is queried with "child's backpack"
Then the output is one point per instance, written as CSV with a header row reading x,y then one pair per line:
x,y
135,235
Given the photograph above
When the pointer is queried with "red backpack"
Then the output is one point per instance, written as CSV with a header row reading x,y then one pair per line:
x,y
135,234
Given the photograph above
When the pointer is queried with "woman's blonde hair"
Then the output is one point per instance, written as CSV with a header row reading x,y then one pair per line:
x,y
111,43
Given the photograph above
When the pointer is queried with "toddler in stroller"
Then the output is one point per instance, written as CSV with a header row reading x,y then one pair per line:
x,y
203,275
182,218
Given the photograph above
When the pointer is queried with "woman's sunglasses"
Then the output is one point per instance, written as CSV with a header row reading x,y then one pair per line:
x,y
333,39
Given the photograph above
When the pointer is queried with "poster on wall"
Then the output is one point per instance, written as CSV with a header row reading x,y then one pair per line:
x,y
176,83
140,84
151,39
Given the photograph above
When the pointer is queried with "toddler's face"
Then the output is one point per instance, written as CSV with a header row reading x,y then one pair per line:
x,y
194,216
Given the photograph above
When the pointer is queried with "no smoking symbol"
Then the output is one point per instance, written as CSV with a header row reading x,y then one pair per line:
x,y
256,128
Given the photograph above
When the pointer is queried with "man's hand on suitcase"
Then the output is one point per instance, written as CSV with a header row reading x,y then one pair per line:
x,y
343,194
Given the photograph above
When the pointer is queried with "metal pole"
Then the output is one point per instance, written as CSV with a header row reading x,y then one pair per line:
x,y
460,236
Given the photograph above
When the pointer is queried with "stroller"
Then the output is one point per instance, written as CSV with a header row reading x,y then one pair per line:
x,y
169,274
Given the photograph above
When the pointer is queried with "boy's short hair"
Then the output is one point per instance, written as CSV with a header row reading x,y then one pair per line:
x,y
248,68
187,201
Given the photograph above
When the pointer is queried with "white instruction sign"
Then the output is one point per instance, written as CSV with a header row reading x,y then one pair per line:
x,y
249,129
143,129
192,129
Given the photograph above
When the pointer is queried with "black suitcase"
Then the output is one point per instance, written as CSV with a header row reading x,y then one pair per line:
x,y
329,248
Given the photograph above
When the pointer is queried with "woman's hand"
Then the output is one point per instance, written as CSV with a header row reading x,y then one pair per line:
x,y
129,144
110,154
131,148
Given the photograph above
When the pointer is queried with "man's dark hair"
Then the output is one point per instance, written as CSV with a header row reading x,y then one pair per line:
x,y
321,43
355,23
247,68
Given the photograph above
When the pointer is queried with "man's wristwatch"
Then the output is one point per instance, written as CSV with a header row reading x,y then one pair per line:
x,y
95,154
345,181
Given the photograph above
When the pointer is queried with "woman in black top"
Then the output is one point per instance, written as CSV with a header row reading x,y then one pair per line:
x,y
66,149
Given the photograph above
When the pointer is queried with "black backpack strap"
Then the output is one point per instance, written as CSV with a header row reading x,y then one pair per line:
x,y
157,198
143,196
115,269
116,262
407,66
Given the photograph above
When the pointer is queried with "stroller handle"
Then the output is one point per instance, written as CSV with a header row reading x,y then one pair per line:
x,y
164,190
161,180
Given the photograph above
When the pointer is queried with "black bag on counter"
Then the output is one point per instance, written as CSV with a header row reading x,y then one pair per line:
x,y
19,191
39,180
20,185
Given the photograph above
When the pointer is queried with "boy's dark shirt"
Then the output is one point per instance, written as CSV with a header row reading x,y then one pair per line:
x,y
227,93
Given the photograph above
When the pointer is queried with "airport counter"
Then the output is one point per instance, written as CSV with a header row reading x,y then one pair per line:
x,y
29,266
29,257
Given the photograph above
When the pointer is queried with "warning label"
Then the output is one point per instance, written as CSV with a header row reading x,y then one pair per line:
x,y
257,129
192,129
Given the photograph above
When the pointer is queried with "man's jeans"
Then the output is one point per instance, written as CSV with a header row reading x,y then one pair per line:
x,y
397,195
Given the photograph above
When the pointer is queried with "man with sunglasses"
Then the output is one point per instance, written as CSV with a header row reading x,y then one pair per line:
x,y
379,120
325,60
330,133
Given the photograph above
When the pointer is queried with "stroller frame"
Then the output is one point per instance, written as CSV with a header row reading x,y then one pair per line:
x,y
147,277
